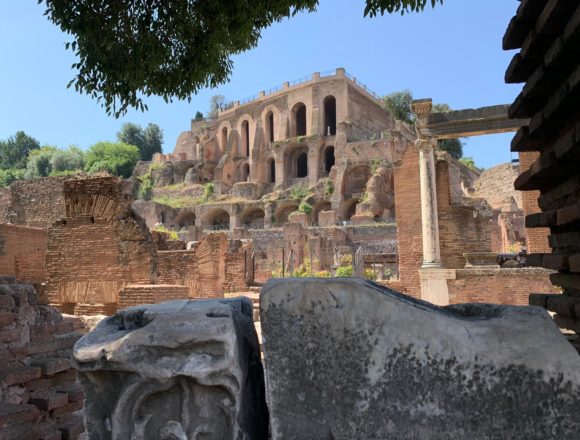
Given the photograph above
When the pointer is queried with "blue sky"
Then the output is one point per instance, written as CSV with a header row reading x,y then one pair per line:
x,y
451,54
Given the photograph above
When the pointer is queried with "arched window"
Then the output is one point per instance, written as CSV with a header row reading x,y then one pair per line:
x,y
328,158
329,116
224,138
246,138
299,114
270,126
245,172
272,171
302,165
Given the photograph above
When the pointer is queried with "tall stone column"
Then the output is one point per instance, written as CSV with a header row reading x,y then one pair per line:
x,y
429,223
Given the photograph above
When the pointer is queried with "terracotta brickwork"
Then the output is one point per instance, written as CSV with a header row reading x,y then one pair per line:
x,y
409,236
37,203
461,228
536,238
138,294
498,286
98,247
22,253
179,267
211,265
39,396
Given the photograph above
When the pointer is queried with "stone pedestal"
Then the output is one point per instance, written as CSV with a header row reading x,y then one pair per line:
x,y
349,359
174,371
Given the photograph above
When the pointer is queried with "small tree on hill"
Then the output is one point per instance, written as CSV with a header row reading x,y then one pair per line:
x,y
149,140
118,158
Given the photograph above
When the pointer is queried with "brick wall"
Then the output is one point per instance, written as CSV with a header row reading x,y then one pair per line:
x,y
211,265
22,253
536,238
98,247
461,228
39,396
37,203
408,209
498,286
138,294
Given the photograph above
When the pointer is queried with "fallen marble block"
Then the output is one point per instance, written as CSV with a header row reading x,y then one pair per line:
x,y
349,359
180,370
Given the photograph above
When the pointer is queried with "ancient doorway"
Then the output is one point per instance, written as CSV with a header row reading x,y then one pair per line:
x,y
329,116
245,172
328,159
224,138
246,138
270,126
272,171
302,165
299,119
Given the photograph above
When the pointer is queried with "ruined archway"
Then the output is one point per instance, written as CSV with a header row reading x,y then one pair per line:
x,y
283,212
329,116
217,219
184,220
302,165
246,138
253,218
296,162
299,119
224,138
245,172
355,181
270,126
318,208
328,159
272,171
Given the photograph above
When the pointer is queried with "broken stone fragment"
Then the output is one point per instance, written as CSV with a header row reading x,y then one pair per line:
x,y
349,359
180,370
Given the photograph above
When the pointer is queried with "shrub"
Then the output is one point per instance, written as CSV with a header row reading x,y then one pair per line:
x,y
10,175
370,274
328,187
344,271
208,191
322,274
305,207
118,158
298,192
145,190
172,234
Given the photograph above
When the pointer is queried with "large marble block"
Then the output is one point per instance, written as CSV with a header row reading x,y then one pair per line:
x,y
181,370
349,359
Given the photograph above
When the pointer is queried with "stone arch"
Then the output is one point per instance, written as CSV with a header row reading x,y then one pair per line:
x,y
328,159
184,220
323,205
223,133
299,120
253,218
245,172
216,219
283,212
272,119
296,162
329,105
350,208
355,180
271,170
246,128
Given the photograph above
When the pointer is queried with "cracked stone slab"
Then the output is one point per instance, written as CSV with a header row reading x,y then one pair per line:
x,y
349,359
180,370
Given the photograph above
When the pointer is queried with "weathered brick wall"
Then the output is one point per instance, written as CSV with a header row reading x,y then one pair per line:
x,y
179,267
138,294
496,184
37,202
461,228
498,286
536,238
99,247
236,257
23,252
408,208
211,265
39,396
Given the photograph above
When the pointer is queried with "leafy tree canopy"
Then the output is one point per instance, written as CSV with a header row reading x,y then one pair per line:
x,y
9,176
52,161
128,49
470,163
198,116
399,105
14,151
115,158
148,140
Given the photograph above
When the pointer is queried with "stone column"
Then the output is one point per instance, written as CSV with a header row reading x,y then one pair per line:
x,y
430,224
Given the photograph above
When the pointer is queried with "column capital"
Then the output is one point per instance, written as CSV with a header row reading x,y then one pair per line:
x,y
426,143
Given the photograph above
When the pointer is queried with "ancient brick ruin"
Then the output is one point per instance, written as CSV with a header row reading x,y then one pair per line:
x,y
549,37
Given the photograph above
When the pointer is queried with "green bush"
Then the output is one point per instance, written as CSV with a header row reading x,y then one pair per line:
x,y
344,271
298,192
328,187
117,158
370,274
208,191
145,187
305,207
172,234
10,175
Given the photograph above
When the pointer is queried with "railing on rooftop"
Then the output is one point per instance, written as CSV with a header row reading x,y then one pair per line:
x,y
296,82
